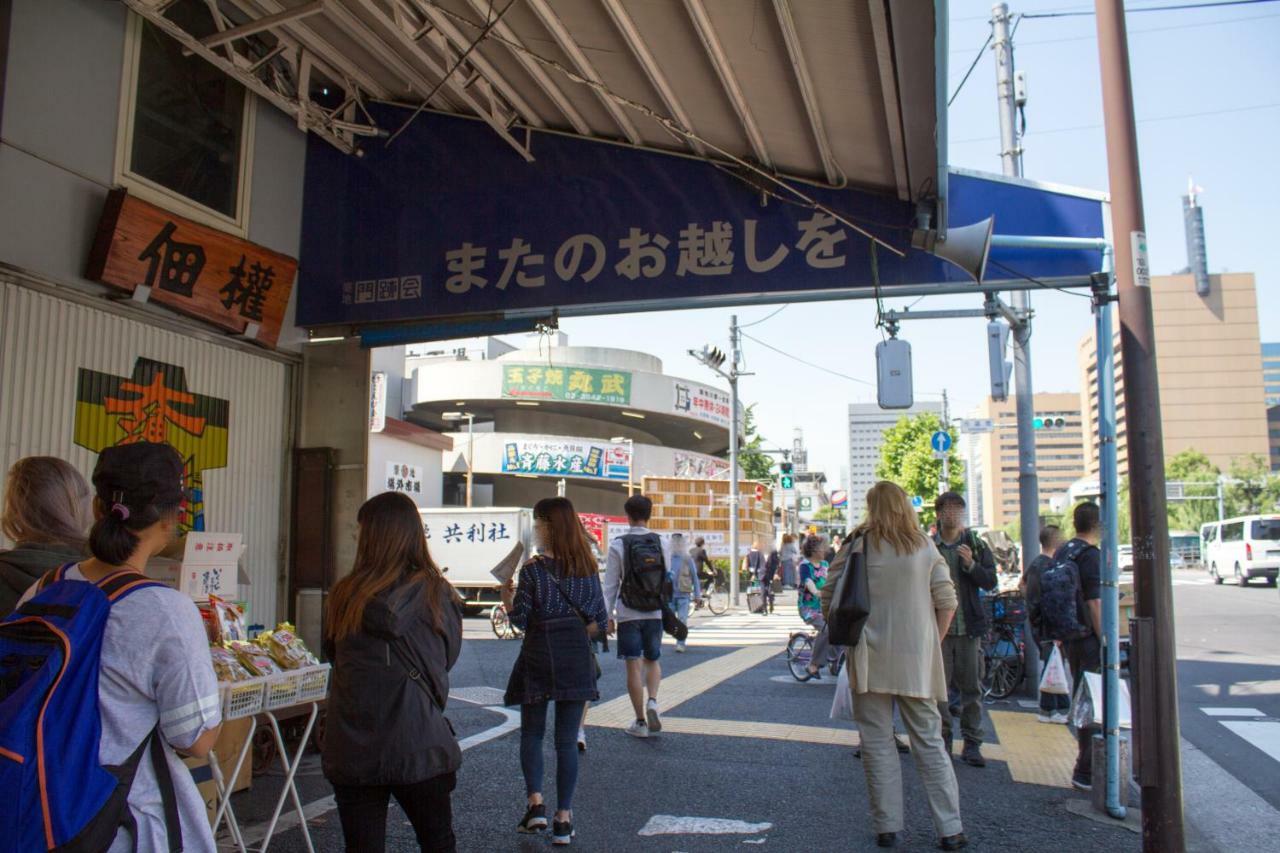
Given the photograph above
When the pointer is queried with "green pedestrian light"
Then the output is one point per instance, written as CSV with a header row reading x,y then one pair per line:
x,y
1038,423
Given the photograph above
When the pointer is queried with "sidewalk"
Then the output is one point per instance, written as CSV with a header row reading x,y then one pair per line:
x,y
748,755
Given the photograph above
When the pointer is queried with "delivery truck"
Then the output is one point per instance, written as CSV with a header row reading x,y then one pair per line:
x,y
468,543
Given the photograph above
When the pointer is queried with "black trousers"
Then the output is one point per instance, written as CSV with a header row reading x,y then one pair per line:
x,y
1084,655
363,811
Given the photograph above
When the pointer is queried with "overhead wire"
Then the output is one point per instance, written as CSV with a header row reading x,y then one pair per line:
x,y
1037,281
1212,4
982,50
765,319
809,363
1200,114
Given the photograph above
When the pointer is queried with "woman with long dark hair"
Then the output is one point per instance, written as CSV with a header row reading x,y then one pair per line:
x,y
560,605
393,631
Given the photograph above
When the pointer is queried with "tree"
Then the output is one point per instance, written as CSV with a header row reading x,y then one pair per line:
x,y
1255,490
1200,476
829,513
753,463
906,458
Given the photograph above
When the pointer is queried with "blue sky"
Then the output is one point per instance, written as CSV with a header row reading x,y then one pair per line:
x,y
1208,106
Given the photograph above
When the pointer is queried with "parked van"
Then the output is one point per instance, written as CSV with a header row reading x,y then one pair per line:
x,y
1244,548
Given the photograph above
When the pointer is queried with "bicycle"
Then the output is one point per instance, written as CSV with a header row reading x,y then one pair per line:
x,y
800,653
714,597
1002,649
500,622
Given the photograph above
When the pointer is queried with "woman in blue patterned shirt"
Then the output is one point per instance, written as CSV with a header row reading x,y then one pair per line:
x,y
560,606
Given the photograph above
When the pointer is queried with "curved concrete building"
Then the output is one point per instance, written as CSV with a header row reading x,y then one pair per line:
x,y
596,417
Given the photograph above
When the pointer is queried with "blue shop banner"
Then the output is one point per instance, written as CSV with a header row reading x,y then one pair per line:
x,y
447,221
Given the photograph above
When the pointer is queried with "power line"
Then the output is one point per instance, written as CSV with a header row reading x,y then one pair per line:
x,y
1035,280
1174,8
1144,30
972,66
810,363
1201,114
764,319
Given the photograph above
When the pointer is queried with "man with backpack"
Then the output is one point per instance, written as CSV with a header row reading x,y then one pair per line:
x,y
1053,706
635,589
973,567
1069,610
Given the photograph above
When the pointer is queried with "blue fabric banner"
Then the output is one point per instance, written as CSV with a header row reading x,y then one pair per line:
x,y
447,221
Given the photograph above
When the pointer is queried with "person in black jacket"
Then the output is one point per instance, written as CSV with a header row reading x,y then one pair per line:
x,y
393,632
973,567
560,604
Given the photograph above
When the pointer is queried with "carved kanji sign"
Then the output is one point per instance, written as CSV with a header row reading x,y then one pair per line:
x,y
234,284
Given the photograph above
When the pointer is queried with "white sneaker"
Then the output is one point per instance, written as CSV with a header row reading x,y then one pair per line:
x,y
582,740
651,712
1060,718
1045,718
638,729
679,647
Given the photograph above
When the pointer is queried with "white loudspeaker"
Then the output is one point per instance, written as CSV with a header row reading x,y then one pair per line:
x,y
968,247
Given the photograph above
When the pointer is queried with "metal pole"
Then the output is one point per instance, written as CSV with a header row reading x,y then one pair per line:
x,y
1110,488
945,483
631,466
1155,702
734,474
471,454
1024,395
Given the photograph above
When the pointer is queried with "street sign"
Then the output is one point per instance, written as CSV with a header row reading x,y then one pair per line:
x,y
806,503
917,503
974,426
839,498
940,441
759,492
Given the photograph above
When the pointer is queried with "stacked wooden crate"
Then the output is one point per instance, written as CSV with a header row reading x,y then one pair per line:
x,y
700,507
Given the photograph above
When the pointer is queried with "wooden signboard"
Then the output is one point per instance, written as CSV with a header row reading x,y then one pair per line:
x,y
192,268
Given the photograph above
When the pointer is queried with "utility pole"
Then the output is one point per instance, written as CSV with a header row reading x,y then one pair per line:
x,y
1024,395
735,472
945,483
1154,652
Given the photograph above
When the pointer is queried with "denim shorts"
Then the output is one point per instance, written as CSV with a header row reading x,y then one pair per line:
x,y
640,637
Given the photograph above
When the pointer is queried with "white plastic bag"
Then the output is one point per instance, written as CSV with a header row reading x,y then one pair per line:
x,y
1055,678
842,704
1086,709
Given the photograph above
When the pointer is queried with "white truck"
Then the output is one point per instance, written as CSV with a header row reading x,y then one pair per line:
x,y
468,543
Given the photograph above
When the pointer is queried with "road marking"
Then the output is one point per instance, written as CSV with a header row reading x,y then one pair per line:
x,y
665,824
1233,712
1036,753
1265,734
478,695
1227,811
684,685
511,724
1241,688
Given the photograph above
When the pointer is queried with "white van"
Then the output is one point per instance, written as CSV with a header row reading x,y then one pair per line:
x,y
1246,547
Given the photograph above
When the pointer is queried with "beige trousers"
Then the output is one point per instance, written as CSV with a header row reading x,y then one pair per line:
x,y
874,714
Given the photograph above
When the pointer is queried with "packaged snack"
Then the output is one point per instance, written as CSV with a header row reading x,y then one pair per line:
x,y
210,623
286,647
226,666
254,658
230,620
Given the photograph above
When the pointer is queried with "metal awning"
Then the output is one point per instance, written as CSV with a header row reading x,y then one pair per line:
x,y
838,92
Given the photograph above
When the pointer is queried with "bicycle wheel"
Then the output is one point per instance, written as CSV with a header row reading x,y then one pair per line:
x,y
799,653
1006,667
717,600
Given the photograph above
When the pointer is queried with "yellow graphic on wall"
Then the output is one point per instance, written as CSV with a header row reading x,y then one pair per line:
x,y
153,404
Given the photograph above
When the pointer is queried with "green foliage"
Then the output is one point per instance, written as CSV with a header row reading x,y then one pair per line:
x,y
1194,469
1256,491
1013,529
753,463
829,513
906,458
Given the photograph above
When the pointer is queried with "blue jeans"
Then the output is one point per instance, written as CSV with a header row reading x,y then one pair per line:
x,y
681,603
533,728
640,637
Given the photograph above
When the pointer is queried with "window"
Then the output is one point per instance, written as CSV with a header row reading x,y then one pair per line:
x,y
1267,528
185,127
1233,532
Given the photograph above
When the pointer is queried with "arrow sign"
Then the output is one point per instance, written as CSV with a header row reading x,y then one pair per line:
x,y
917,503
940,441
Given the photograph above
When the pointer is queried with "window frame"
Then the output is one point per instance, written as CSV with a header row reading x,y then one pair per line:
x,y
149,190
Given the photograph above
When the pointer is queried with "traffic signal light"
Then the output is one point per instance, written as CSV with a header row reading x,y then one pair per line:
x,y
788,482
786,467
1049,423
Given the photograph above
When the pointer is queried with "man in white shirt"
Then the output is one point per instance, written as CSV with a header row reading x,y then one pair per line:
x,y
639,633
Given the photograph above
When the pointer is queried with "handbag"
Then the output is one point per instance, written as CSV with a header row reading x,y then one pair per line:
x,y
851,601
588,624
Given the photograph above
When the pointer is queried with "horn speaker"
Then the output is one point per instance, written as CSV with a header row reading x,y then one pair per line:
x,y
968,247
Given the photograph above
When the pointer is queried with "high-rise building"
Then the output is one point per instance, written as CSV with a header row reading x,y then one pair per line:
x,y
1273,435
1271,373
867,423
1209,361
1060,456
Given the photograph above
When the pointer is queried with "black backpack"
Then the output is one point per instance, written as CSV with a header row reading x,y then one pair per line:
x,y
1061,596
644,572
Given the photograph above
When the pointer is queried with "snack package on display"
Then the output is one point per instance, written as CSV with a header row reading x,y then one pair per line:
x,y
254,658
226,666
286,647
228,620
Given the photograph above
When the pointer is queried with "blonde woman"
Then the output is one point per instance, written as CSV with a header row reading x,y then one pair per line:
x,y
46,515
899,661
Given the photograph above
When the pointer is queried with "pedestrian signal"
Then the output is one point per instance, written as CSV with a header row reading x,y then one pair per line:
x,y
788,481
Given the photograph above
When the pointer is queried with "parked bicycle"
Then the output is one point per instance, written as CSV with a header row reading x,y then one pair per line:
x,y
800,652
501,624
1003,647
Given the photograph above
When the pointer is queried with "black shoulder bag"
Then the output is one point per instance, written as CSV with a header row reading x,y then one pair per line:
x,y
851,603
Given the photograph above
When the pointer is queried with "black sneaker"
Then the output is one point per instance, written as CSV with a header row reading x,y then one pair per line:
x,y
972,755
1082,782
562,832
534,821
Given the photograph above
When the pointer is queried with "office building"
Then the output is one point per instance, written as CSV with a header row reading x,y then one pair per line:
x,y
867,423
1209,360
1271,372
1273,435
1060,458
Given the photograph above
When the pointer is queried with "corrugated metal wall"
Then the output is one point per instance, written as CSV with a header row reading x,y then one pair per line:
x,y
44,341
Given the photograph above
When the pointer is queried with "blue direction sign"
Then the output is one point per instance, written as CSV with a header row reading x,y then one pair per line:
x,y
917,502
941,441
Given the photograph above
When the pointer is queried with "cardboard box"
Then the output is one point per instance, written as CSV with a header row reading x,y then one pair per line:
x,y
227,748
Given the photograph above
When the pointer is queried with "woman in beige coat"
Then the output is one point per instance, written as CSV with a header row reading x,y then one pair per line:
x,y
899,660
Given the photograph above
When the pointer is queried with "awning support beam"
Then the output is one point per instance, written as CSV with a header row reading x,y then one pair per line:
x,y
782,8
263,24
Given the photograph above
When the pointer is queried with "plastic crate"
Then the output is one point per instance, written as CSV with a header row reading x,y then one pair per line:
x,y
282,690
242,698
315,683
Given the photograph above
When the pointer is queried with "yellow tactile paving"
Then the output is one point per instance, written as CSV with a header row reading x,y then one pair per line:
x,y
1037,754
682,686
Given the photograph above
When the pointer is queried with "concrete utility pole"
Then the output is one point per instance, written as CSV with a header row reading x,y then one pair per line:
x,y
1154,654
945,483
735,472
1024,395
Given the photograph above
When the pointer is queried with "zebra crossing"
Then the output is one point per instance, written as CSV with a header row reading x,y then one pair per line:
x,y
741,628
